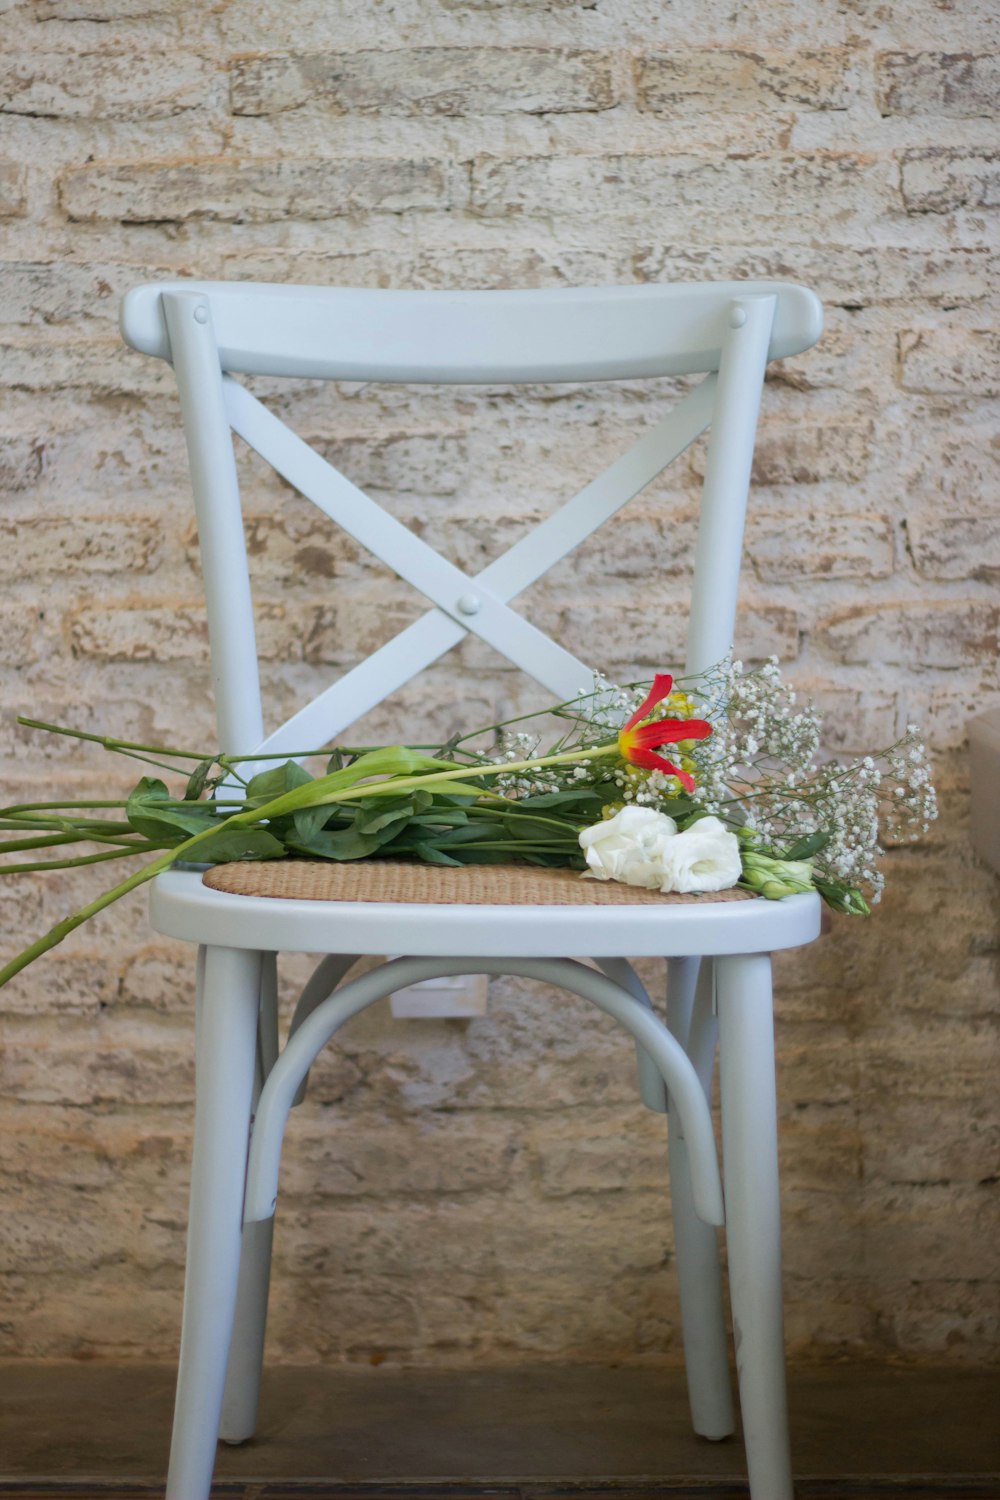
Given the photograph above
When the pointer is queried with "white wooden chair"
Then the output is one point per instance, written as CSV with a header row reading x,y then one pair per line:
x,y
717,950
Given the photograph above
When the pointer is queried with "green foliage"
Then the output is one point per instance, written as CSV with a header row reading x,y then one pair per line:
x,y
153,812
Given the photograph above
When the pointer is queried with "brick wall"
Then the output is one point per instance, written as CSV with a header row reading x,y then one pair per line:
x,y
463,1191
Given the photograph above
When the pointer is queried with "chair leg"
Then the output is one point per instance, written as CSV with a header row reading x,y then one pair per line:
x,y
246,1349
706,1350
753,1227
226,1043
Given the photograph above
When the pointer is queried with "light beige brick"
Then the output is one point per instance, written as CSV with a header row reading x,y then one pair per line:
x,y
375,1158
722,78
84,544
66,291
957,84
13,190
956,547
846,275
40,359
254,191
950,360
808,452
20,461
576,1157
855,720
103,11
426,81
19,634
784,546
170,632
959,633
939,179
720,194
101,85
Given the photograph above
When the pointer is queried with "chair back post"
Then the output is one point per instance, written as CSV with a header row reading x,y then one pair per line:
x,y
744,356
232,640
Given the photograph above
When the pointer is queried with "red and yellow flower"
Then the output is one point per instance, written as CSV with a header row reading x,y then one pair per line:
x,y
637,741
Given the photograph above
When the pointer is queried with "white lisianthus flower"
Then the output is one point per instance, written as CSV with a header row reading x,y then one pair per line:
x,y
642,847
629,847
705,857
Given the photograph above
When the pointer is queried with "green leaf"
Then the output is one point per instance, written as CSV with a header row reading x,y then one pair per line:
x,y
196,781
569,798
433,856
535,829
471,833
240,843
152,812
267,785
344,844
807,846
381,812
392,760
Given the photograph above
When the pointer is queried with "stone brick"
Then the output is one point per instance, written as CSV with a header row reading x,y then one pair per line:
x,y
66,291
20,462
19,633
855,720
299,548
850,276
403,463
963,1147
910,1228
85,544
86,1064
51,359
254,191
948,1319
609,1153
784,546
107,10
720,78
78,983
13,190
955,547
158,978
426,81
958,84
342,633
719,194
101,85
949,360
375,1158
633,645
170,632
958,633
940,179
807,452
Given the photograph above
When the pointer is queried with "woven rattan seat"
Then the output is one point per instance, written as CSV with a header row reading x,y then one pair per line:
x,y
386,880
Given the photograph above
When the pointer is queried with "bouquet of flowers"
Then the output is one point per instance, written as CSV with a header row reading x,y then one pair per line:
x,y
743,798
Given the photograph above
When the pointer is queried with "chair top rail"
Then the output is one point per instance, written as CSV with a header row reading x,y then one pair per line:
x,y
472,338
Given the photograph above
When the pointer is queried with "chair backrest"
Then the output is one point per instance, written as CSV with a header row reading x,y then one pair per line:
x,y
212,331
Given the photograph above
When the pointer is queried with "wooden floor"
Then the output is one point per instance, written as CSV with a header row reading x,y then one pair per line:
x,y
859,1432
858,1489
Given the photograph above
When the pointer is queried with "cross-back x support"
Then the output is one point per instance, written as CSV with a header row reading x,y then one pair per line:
x,y
214,405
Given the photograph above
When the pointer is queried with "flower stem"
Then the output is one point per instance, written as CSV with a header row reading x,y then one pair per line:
x,y
399,784
83,859
107,742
